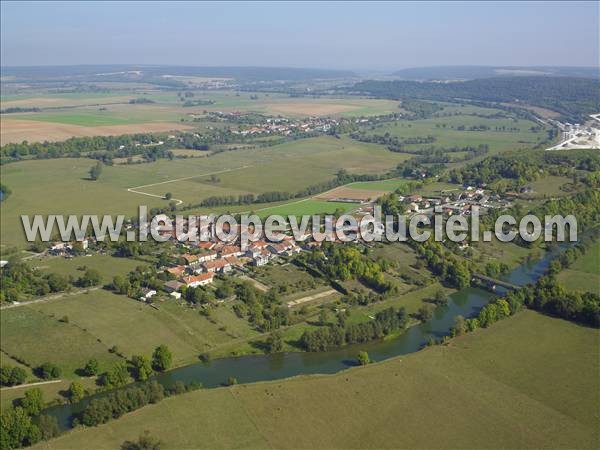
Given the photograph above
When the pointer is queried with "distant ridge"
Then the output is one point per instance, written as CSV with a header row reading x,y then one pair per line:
x,y
130,71
475,72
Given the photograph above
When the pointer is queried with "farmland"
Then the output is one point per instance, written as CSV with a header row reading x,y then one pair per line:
x,y
65,115
583,275
453,130
533,369
291,167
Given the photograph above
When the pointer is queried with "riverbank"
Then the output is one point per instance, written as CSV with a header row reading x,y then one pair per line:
x,y
478,391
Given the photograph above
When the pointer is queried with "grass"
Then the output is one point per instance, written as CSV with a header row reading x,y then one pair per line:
x,y
108,266
287,167
32,335
584,274
100,320
527,382
307,207
448,135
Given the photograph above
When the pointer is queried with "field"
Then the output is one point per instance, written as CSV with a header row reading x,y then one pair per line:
x,y
98,320
447,133
306,207
527,382
287,167
108,266
583,275
79,114
18,130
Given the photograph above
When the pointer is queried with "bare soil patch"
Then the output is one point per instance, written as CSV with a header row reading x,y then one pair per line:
x,y
309,108
16,130
350,193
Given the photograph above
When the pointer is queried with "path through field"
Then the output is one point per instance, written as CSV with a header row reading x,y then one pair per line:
x,y
136,190
19,386
310,298
49,297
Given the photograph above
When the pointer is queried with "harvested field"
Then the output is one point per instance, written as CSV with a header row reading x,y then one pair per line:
x,y
18,130
310,108
350,193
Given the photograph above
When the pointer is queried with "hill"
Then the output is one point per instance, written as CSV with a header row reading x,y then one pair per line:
x,y
526,382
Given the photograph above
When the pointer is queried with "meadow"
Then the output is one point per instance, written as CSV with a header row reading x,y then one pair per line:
x,y
526,382
584,275
99,320
445,130
87,114
61,185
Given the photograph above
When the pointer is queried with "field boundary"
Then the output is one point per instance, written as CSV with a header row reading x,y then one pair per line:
x,y
136,190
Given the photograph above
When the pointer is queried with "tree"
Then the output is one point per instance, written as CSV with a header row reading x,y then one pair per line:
x,y
363,358
231,381
95,171
162,358
33,402
142,368
168,196
275,342
11,376
117,376
440,298
16,429
76,391
48,426
49,371
460,326
323,316
144,442
91,277
425,312
91,368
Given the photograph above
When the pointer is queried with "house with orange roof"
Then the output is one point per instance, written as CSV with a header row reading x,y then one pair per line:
x,y
199,280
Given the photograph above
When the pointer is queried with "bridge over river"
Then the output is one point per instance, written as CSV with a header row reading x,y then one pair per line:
x,y
491,283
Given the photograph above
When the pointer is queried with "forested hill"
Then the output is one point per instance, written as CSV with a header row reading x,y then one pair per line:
x,y
573,98
476,72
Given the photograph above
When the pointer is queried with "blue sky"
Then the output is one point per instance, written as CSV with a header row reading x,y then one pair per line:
x,y
360,36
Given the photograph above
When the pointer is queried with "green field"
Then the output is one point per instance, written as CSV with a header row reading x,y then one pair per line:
x,y
287,167
584,274
108,266
447,134
100,319
306,207
527,382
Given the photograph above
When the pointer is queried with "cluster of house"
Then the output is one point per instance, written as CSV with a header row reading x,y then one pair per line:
x,y
285,127
214,257
67,249
457,202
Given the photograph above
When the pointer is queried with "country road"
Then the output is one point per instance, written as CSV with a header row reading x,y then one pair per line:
x,y
47,298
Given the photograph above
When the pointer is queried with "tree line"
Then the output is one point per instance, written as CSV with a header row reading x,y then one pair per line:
x,y
387,321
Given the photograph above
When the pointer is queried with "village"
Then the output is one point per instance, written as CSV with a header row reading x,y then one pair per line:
x,y
200,262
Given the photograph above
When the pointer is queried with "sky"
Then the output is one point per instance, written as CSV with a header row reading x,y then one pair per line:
x,y
357,36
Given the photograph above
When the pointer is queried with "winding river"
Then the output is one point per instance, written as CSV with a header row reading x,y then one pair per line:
x,y
247,369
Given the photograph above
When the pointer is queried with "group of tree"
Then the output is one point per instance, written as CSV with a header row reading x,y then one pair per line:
x,y
385,322
22,424
569,96
343,262
12,376
19,281
448,267
342,177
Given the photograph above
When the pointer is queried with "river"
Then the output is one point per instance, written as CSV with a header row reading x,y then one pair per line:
x,y
247,369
